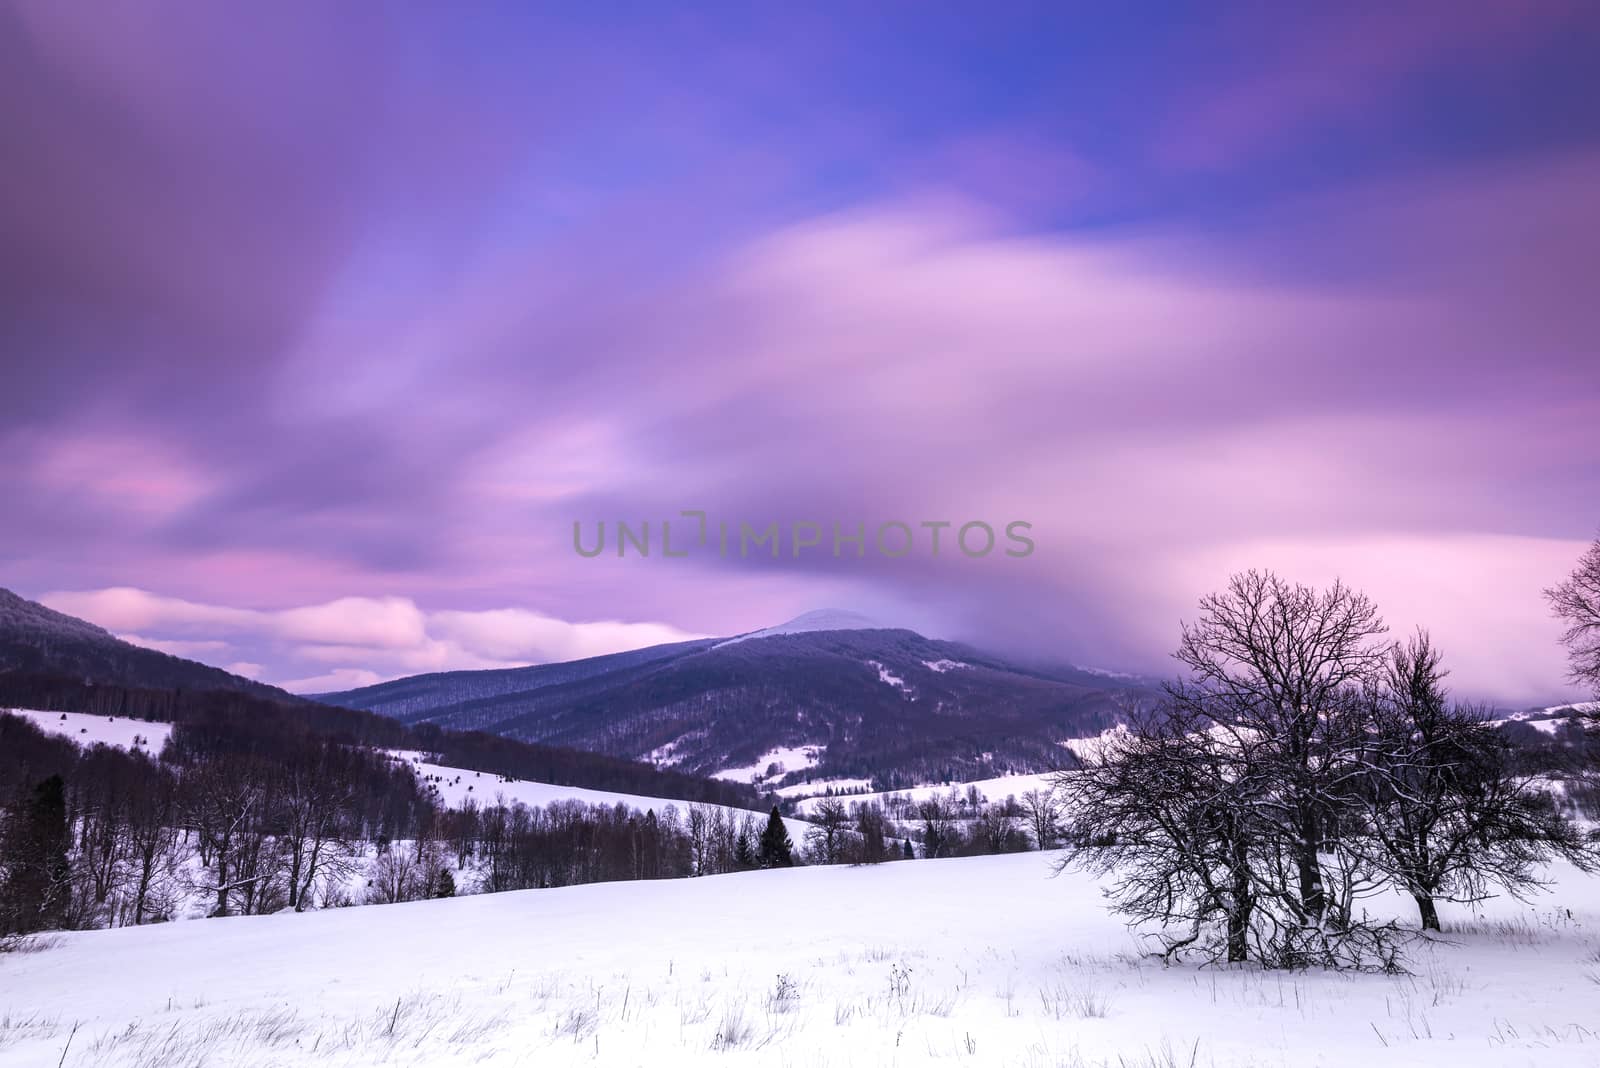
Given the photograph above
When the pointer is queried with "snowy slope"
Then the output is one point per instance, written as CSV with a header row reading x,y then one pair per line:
x,y
455,786
993,790
819,619
985,961
788,758
86,730
1577,706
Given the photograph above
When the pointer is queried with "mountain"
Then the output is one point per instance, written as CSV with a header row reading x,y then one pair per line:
x,y
856,702
416,697
53,661
40,644
821,619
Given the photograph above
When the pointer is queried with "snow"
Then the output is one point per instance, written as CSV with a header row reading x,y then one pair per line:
x,y
820,786
888,677
939,667
1577,706
1549,720
455,786
996,789
819,619
1543,726
792,758
1093,747
981,961
664,756
87,730
1105,674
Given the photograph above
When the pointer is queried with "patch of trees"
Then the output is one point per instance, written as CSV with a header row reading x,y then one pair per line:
x,y
858,833
251,819
1302,766
240,817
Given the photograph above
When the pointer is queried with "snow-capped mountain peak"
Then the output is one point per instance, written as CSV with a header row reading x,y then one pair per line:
x,y
817,619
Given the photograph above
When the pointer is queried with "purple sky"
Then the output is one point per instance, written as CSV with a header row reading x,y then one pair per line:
x,y
321,325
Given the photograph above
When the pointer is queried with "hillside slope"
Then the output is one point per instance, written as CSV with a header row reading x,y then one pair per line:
x,y
883,704
39,642
53,661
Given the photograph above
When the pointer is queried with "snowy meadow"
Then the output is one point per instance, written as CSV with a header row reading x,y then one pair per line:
x,y
981,961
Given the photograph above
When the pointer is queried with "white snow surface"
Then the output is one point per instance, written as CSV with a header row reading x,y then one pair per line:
x,y
939,667
87,730
981,961
1543,726
793,758
997,789
819,786
819,619
888,677
454,786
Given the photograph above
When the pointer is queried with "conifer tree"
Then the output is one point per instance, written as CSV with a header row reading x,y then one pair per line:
x,y
35,890
776,851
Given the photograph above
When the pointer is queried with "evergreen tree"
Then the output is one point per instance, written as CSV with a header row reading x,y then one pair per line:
x,y
35,891
446,884
776,851
910,854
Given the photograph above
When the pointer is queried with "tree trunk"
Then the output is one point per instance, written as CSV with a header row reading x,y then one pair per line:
x,y
1428,911
1238,941
1313,896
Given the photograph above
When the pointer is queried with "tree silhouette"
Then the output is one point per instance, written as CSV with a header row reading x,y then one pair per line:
x,y
776,851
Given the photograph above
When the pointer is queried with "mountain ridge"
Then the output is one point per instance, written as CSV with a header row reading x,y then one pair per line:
x,y
876,702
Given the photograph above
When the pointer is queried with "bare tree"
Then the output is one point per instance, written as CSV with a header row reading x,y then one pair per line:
x,y
1042,809
937,816
870,826
1447,814
827,838
1158,808
223,799
701,842
1222,813
153,840
1576,602
1272,667
396,876
315,807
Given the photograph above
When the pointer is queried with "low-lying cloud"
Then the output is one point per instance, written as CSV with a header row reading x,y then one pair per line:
x,y
354,641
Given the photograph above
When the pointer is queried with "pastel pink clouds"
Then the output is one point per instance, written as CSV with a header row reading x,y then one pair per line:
x,y
369,639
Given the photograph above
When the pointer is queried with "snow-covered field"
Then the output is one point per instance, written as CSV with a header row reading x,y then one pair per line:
x,y
793,758
455,786
992,789
982,961
119,731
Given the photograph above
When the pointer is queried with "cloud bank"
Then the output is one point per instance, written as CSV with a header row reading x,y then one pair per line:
x,y
330,363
